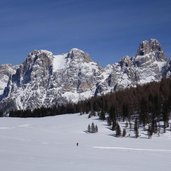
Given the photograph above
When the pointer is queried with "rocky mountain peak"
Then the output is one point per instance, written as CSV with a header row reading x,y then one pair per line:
x,y
44,79
126,61
37,58
6,70
75,53
151,46
40,53
37,64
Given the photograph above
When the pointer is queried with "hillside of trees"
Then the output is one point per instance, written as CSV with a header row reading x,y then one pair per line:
x,y
145,105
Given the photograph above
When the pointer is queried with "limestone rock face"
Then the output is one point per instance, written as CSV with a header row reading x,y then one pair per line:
x,y
152,45
6,71
149,64
45,79
149,50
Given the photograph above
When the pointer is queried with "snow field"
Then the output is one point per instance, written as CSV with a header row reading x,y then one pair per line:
x,y
59,62
41,144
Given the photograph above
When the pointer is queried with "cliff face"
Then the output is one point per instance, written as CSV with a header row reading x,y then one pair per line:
x,y
45,79
6,71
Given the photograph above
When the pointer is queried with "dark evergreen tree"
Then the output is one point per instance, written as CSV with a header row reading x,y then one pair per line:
x,y
136,129
109,122
114,125
165,115
89,129
93,127
118,130
102,115
143,116
130,126
149,131
124,132
112,113
96,128
126,124
125,111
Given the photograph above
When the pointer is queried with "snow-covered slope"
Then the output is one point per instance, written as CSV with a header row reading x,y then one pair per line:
x,y
6,71
45,79
149,64
49,143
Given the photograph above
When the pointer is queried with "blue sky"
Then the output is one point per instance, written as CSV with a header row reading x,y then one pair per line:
x,y
106,29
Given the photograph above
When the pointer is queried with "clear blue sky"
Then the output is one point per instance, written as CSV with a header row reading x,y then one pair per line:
x,y
106,29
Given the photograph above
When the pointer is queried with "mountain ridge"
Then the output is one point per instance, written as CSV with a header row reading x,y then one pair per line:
x,y
45,79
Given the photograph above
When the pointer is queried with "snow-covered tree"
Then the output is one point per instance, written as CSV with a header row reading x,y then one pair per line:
x,y
92,128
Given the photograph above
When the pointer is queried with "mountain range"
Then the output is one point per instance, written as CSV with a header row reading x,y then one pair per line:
x,y
45,79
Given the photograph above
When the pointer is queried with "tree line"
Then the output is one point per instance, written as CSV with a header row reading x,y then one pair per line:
x,y
147,104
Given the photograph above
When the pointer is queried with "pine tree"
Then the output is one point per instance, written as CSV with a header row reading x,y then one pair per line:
x,y
92,113
102,115
136,128
118,130
154,126
1,113
130,125
124,132
149,131
143,117
165,115
125,112
109,121
126,124
158,130
113,125
93,127
112,113
89,128
96,128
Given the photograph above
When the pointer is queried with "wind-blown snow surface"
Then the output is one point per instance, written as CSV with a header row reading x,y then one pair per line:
x,y
59,62
42,144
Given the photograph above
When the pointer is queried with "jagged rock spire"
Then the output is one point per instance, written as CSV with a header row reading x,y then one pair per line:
x,y
77,53
151,46
44,79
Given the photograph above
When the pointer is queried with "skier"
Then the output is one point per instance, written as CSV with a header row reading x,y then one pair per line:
x,y
77,144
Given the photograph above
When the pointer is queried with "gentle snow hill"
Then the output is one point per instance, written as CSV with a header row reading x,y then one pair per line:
x,y
49,143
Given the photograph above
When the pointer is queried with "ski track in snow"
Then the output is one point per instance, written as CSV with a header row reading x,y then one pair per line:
x,y
23,125
4,127
131,149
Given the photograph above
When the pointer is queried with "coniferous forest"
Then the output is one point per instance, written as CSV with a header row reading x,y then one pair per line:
x,y
145,105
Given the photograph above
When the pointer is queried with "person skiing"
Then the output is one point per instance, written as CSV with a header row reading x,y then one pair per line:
x,y
77,144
